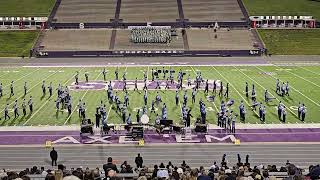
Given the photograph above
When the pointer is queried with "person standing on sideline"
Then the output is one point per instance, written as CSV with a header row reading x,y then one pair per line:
x,y
139,161
54,157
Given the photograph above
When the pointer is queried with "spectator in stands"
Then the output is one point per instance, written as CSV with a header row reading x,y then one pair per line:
x,y
170,166
50,176
43,172
123,167
96,174
78,173
126,168
139,161
35,170
265,175
203,175
162,172
71,177
155,171
88,175
109,166
54,157
183,165
175,175
142,175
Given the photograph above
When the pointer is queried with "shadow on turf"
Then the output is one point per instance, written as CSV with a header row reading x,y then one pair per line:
x,y
41,98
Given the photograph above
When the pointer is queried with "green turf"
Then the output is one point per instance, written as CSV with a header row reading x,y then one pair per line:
x,y
283,7
291,42
304,84
16,43
24,8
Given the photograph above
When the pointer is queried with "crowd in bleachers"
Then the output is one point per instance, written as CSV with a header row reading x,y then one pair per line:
x,y
150,35
241,171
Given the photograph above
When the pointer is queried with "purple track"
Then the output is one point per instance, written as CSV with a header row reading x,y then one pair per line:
x,y
245,136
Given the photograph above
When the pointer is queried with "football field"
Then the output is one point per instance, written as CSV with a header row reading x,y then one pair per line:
x,y
304,87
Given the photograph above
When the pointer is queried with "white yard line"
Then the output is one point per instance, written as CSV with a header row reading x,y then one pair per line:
x,y
5,73
294,89
213,101
48,100
32,87
109,111
153,64
234,89
81,100
148,80
22,77
308,70
300,77
264,89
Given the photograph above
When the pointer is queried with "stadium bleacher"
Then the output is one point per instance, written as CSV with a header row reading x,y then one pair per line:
x,y
217,171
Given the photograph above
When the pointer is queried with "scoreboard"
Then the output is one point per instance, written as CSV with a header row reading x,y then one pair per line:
x,y
23,22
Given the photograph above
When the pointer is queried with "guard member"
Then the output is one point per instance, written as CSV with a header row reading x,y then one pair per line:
x,y
233,124
152,107
193,95
214,87
24,111
158,99
189,80
80,108
138,116
278,86
25,88
226,94
188,119
177,98
30,103
303,113
206,89
253,93
98,117
69,107
129,119
43,88
221,89
136,85
50,89
116,72
124,113
126,99
15,109
11,89
152,75
242,111
280,107
247,90
6,112
185,98
76,77
145,98
1,91
104,73
284,114
299,110
287,88
283,89
145,87
86,75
